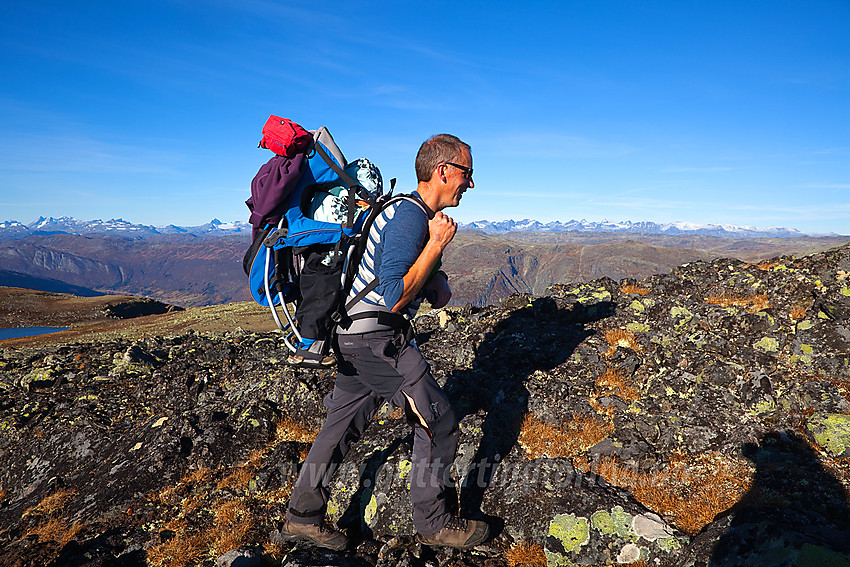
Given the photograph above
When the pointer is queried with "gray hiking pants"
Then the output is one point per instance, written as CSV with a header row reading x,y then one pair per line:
x,y
385,367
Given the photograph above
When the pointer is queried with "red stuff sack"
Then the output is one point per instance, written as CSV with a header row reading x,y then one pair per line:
x,y
284,137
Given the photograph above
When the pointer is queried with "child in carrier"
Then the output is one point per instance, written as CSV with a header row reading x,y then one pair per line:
x,y
321,273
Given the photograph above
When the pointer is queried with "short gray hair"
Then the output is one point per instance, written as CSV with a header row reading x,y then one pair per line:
x,y
436,150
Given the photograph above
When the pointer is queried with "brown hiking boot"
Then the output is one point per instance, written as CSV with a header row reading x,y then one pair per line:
x,y
458,532
323,535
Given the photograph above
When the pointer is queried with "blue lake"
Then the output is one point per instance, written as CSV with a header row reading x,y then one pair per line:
x,y
18,332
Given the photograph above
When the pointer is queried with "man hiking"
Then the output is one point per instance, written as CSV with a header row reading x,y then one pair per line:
x,y
399,268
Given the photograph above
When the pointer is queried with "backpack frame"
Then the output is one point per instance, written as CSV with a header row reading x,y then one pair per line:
x,y
275,260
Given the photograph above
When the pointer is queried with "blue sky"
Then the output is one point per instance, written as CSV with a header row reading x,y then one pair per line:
x,y
706,112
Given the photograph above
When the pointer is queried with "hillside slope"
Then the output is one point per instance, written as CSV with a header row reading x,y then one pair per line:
x,y
698,417
189,270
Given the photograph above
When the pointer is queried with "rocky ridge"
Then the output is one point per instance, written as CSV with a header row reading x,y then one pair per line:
x,y
700,417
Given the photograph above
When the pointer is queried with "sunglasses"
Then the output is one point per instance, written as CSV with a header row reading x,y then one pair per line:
x,y
467,171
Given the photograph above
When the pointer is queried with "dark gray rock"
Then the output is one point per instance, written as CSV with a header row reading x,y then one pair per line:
x,y
152,443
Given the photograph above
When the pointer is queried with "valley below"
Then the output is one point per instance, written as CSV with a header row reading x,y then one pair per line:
x,y
190,270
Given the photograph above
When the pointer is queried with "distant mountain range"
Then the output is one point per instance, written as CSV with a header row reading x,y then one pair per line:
x,y
642,227
69,225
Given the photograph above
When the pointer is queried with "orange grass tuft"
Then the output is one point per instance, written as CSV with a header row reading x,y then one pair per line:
x,y
691,489
239,478
289,430
526,554
200,475
233,526
798,311
568,440
56,529
613,382
273,549
50,527
767,265
621,338
632,288
753,303
183,550
255,459
170,494
52,504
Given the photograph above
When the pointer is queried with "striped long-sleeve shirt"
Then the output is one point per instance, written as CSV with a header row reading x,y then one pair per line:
x,y
395,242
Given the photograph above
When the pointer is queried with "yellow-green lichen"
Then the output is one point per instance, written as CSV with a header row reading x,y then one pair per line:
x,y
570,530
404,467
637,306
637,327
370,511
764,406
767,344
832,432
614,522
669,544
332,510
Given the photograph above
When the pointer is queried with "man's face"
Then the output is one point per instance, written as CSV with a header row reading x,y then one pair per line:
x,y
458,176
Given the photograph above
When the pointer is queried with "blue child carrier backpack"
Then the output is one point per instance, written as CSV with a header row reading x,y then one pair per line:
x,y
301,267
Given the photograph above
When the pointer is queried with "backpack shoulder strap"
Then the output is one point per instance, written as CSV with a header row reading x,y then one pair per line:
x,y
352,270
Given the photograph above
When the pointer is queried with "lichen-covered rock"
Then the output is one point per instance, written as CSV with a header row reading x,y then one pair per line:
x,y
832,432
694,418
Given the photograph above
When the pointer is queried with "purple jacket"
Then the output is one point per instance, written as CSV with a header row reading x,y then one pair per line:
x,y
270,188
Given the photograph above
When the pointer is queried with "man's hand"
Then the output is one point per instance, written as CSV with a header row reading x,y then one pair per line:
x,y
441,229
437,291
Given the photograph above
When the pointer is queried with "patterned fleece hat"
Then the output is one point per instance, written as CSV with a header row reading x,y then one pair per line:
x,y
368,175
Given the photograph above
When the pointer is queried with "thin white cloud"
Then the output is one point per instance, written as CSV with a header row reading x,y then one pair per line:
x,y
551,146
696,169
40,154
826,186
